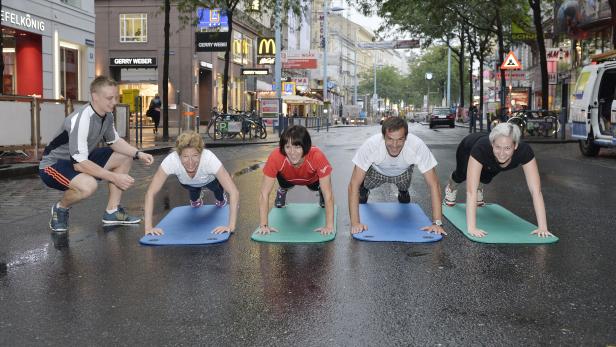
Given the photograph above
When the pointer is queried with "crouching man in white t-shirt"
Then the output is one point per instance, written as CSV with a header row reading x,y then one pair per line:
x,y
389,158
195,168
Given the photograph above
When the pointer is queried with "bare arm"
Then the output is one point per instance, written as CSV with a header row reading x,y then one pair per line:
x,y
326,188
357,178
267,183
473,172
533,181
234,200
157,182
123,147
435,194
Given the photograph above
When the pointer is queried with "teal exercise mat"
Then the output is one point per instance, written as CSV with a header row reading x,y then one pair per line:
x,y
394,222
296,223
501,225
186,225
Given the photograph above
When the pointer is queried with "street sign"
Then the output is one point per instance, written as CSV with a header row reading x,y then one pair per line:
x,y
511,62
397,44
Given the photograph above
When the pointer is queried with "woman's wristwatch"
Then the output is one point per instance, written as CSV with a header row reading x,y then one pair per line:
x,y
438,222
136,156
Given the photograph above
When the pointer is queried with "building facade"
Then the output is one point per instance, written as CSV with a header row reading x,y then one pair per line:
x,y
48,48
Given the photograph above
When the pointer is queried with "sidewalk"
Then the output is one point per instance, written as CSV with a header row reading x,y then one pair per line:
x,y
151,144
532,139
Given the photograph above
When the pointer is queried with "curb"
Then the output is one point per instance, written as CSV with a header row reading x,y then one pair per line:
x,y
26,169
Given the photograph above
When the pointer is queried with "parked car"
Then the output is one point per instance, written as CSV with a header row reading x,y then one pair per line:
x,y
442,116
593,106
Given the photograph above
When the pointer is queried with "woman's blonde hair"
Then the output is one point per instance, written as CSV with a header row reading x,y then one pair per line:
x,y
506,129
189,139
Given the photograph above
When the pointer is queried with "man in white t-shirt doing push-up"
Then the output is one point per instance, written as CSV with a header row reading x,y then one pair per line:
x,y
390,157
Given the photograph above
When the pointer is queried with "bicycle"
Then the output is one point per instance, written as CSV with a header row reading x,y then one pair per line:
x,y
224,125
539,123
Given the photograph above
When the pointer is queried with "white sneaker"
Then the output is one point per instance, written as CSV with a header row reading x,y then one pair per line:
x,y
450,196
480,201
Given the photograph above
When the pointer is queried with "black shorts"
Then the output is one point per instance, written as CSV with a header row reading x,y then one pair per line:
x,y
59,175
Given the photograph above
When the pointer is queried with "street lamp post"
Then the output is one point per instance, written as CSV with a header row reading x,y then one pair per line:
x,y
428,77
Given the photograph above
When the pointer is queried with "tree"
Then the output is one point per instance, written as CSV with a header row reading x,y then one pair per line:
x,y
229,7
612,4
390,84
535,5
166,73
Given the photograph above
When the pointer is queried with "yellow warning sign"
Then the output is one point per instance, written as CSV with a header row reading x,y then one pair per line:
x,y
511,62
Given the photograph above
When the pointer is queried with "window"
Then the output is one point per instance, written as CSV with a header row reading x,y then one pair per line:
x,y
74,3
134,27
69,73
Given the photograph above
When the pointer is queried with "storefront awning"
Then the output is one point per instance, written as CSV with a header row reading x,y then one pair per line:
x,y
298,99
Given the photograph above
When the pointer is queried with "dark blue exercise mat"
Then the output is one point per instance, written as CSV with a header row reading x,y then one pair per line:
x,y
388,221
186,225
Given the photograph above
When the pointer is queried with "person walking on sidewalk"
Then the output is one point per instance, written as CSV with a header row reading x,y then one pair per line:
x,y
73,162
154,112
472,119
196,168
390,157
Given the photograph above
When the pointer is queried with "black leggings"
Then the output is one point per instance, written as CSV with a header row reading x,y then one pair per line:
x,y
214,186
284,184
459,174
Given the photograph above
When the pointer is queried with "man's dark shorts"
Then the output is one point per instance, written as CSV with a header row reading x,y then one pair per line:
x,y
59,175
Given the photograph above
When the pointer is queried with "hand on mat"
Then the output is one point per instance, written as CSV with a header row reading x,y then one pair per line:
x,y
477,232
542,233
325,230
437,229
222,229
154,231
358,228
264,229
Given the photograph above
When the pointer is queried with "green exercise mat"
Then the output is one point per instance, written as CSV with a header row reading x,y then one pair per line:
x,y
296,223
501,225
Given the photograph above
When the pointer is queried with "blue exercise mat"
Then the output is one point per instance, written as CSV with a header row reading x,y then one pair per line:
x,y
186,225
395,222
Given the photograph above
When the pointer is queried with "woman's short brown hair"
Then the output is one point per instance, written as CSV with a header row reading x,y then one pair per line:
x,y
189,139
297,135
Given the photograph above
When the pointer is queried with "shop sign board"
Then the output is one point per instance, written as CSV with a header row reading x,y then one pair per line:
x,y
211,41
270,107
266,51
254,72
133,62
26,21
211,18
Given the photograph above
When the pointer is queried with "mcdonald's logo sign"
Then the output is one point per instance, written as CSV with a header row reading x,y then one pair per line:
x,y
266,50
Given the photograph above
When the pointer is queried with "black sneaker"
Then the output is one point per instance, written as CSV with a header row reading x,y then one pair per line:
x,y
363,194
321,199
59,219
281,197
404,197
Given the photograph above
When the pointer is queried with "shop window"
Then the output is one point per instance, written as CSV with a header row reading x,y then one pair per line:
x,y
8,77
134,27
69,73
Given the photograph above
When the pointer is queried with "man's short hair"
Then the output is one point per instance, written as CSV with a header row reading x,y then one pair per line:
x,y
189,139
100,82
394,124
297,135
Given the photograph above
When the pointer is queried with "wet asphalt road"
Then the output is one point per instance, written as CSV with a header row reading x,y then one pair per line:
x,y
100,287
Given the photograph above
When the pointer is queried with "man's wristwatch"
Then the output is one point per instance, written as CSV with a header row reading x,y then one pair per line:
x,y
136,156
438,222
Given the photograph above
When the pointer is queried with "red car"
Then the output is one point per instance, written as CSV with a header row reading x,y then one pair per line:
x,y
442,116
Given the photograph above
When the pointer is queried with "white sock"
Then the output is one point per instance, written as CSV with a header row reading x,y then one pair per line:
x,y
112,211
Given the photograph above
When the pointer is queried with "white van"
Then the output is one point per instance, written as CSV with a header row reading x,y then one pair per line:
x,y
593,105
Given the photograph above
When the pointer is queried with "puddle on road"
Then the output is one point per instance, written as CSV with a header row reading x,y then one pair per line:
x,y
251,168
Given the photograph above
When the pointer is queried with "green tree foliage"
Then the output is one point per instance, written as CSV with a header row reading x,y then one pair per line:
x,y
390,84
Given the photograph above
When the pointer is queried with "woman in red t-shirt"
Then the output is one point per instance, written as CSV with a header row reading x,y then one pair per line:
x,y
296,162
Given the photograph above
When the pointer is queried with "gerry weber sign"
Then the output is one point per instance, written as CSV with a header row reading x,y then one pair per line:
x,y
133,62
21,20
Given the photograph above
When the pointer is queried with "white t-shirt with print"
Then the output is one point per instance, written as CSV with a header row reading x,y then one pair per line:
x,y
374,153
206,172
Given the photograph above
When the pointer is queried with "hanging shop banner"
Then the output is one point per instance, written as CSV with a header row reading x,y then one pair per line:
x,y
211,18
266,51
211,41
